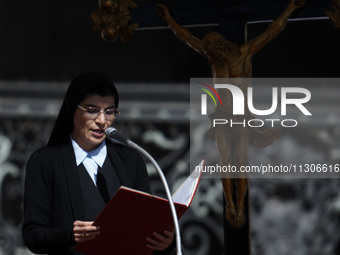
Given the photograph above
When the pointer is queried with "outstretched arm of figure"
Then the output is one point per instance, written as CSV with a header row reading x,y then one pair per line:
x,y
275,27
181,33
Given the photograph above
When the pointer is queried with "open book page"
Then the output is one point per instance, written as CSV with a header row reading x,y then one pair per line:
x,y
137,191
186,191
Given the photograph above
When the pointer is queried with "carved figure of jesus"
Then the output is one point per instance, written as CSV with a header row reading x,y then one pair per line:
x,y
229,60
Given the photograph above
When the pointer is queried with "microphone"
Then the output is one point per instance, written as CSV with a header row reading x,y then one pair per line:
x,y
114,136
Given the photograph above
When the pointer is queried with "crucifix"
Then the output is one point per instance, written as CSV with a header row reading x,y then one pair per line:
x,y
229,60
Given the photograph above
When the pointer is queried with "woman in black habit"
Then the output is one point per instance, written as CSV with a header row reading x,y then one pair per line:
x,y
69,181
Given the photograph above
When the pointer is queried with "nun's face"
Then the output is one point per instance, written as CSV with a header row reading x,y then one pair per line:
x,y
93,115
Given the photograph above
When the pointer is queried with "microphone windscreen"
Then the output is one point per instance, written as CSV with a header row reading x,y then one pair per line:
x,y
113,135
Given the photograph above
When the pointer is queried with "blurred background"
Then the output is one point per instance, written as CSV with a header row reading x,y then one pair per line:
x,y
45,44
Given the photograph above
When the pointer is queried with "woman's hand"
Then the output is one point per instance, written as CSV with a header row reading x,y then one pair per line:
x,y
160,242
84,231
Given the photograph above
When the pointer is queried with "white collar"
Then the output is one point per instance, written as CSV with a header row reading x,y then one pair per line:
x,y
98,154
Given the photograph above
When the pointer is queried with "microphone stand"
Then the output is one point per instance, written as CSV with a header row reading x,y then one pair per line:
x,y
167,190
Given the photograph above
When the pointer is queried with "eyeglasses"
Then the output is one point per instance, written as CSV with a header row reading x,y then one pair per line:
x,y
93,112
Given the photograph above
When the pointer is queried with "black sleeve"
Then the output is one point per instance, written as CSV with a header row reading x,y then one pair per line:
x,y
38,235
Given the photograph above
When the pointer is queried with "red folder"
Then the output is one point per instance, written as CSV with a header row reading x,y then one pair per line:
x,y
131,216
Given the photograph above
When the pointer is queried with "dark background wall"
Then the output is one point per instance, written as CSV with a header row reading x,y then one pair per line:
x,y
53,40
305,48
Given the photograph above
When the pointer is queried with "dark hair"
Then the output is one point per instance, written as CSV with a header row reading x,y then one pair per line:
x,y
91,83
